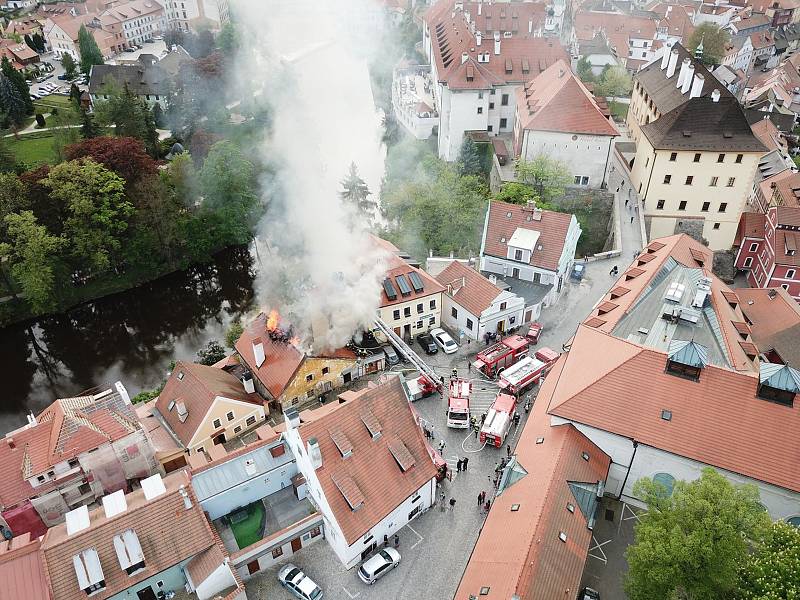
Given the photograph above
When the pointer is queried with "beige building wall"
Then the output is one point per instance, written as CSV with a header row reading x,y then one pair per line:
x,y
314,376
708,198
219,410
418,321
641,111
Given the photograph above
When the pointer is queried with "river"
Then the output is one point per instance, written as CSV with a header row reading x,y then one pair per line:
x,y
130,337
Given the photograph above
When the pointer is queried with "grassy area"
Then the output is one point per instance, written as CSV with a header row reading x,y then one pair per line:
x,y
33,149
619,110
53,101
248,531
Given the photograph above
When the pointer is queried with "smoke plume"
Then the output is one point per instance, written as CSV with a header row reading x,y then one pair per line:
x,y
308,60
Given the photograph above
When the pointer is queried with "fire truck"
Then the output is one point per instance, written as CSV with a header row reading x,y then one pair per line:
x,y
498,420
458,403
528,371
501,355
421,387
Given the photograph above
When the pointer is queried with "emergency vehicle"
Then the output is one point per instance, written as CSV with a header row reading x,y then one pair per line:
x,y
528,371
498,420
501,355
458,403
419,388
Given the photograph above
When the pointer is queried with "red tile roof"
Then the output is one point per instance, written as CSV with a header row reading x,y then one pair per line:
x,y
525,53
22,573
468,288
429,284
556,100
168,533
520,552
751,225
197,386
618,29
553,228
204,564
774,318
717,420
371,474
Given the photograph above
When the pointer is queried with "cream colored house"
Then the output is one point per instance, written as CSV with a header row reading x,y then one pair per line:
x,y
204,406
696,155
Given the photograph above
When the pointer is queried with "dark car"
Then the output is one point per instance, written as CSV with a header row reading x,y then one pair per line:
x,y
588,593
425,340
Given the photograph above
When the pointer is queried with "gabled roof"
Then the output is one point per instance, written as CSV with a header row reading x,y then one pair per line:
x,y
556,100
372,477
520,552
505,219
140,79
717,420
751,225
21,570
468,287
197,386
168,533
774,318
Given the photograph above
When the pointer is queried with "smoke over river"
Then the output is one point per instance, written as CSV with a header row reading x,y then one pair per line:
x,y
309,59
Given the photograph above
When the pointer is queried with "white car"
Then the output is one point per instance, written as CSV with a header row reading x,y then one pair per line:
x,y
297,582
377,566
444,340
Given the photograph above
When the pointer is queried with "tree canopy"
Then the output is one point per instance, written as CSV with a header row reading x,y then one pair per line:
x,y
548,176
692,542
70,68
355,192
772,571
125,156
89,50
469,158
714,42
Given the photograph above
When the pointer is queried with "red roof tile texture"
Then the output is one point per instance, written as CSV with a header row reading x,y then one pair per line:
x,y
468,287
372,468
557,101
21,570
774,318
197,386
168,533
552,227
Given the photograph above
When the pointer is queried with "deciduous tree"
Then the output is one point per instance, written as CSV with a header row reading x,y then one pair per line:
x,y
123,155
584,69
212,353
13,199
772,571
234,332
714,42
70,68
691,543
548,176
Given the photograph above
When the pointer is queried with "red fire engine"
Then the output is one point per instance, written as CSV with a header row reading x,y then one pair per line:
x,y
498,420
528,371
458,403
501,355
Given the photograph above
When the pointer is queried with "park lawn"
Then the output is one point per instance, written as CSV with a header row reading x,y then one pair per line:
x,y
619,110
53,100
248,531
33,149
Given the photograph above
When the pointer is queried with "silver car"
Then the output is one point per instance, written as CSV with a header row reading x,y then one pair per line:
x,y
377,566
297,582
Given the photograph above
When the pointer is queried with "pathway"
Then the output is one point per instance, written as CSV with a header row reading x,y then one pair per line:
x,y
628,206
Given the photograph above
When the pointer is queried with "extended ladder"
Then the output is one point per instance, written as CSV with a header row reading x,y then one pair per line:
x,y
410,355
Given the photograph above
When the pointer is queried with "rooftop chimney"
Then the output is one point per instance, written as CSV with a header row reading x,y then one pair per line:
x,y
258,351
247,382
31,420
684,69
665,57
292,418
467,16
314,453
687,82
480,6
697,86
496,43
715,96
530,25
464,57
478,36
187,502
673,62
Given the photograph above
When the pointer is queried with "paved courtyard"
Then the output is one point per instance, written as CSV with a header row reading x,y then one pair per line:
x,y
436,546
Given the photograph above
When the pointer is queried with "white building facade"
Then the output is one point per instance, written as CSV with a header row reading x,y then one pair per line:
x,y
506,311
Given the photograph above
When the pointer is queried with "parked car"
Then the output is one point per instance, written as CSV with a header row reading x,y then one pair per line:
x,y
444,340
62,77
377,566
588,593
130,49
300,584
40,79
578,269
425,340
391,355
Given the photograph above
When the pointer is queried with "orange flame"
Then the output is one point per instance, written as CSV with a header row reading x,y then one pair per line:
x,y
272,320
295,341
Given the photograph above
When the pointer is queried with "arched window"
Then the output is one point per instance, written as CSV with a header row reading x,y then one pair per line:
x,y
665,479
794,521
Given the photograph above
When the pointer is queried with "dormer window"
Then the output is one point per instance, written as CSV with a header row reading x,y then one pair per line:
x,y
686,359
89,571
778,383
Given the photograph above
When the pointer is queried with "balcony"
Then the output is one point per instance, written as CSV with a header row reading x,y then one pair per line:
x,y
413,102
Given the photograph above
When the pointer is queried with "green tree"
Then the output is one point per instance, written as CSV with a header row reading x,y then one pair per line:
x,y
714,41
38,42
691,543
469,159
97,211
63,134
228,39
772,572
548,176
11,102
234,332
8,160
33,252
88,126
355,192
17,79
130,116
70,68
212,353
89,50
517,193
13,199
615,82
584,68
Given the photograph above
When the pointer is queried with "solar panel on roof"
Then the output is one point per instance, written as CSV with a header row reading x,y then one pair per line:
x,y
416,281
402,283
391,294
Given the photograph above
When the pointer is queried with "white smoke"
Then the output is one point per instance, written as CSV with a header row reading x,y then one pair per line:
x,y
309,59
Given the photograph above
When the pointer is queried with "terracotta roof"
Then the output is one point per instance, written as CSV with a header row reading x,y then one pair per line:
x,y
519,552
618,29
527,54
21,570
556,100
469,288
717,420
429,284
774,318
553,228
197,386
168,533
789,190
281,360
204,564
751,225
371,474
